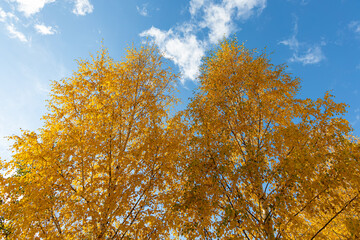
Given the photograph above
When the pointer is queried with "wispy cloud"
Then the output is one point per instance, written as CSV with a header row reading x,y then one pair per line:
x,y
292,42
142,10
357,117
302,52
14,33
25,14
311,56
44,30
5,16
355,26
83,7
182,45
8,19
195,5
30,7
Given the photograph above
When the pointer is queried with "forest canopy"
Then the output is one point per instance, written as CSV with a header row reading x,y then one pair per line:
x,y
246,159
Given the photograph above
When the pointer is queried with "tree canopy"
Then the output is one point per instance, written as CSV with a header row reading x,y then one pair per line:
x,y
247,159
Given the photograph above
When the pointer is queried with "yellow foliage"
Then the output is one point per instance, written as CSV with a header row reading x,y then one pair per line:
x,y
261,163
247,159
98,167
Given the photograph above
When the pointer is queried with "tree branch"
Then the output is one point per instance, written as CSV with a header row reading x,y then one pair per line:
x,y
331,219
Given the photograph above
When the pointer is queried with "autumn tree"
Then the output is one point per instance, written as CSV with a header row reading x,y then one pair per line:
x,y
99,167
262,163
247,159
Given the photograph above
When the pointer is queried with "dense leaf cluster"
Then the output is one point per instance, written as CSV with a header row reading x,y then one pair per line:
x,y
246,159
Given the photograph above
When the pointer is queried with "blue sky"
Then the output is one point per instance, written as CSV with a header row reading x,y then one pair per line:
x,y
40,40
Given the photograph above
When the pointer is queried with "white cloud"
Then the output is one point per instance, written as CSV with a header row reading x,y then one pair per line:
x,y
184,49
218,20
182,45
195,5
44,30
158,35
311,56
355,26
30,7
302,52
219,17
83,7
4,16
23,14
142,10
14,33
292,42
245,8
